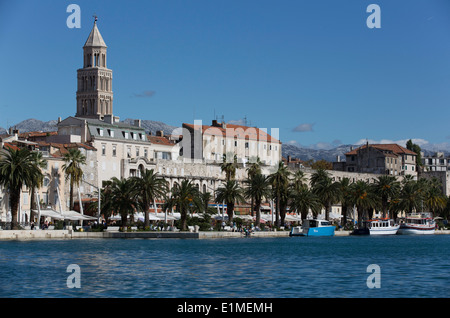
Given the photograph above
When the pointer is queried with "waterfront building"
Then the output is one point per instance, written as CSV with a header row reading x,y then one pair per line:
x,y
390,159
210,143
436,162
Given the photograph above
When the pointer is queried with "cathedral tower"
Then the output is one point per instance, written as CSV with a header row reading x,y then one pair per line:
x,y
94,93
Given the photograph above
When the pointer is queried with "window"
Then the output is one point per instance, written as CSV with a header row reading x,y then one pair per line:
x,y
246,145
103,149
114,150
137,152
145,152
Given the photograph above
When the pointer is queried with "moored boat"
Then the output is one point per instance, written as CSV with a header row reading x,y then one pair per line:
x,y
418,223
313,227
382,227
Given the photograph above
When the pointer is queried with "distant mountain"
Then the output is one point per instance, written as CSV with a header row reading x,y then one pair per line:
x,y
152,126
39,125
315,154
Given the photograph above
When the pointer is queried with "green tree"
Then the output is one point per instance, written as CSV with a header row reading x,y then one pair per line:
x,y
326,189
302,200
363,198
72,167
230,193
416,148
184,197
149,186
41,163
386,189
280,188
253,169
345,197
257,189
123,198
229,166
17,169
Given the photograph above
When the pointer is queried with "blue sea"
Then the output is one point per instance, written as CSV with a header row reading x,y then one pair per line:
x,y
290,267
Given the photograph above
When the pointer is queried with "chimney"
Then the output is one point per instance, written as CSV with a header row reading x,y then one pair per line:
x,y
108,119
288,158
214,123
59,120
160,133
137,122
338,158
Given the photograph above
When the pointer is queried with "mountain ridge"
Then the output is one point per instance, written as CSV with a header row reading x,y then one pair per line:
x,y
152,126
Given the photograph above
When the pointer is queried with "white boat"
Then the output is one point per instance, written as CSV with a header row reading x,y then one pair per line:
x,y
382,227
418,223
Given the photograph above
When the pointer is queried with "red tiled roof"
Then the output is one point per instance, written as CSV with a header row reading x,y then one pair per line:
x,y
10,146
394,148
159,140
241,132
31,134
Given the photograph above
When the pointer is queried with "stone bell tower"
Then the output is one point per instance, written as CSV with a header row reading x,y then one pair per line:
x,y
94,93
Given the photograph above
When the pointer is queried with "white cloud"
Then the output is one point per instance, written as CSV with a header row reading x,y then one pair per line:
x,y
401,142
304,127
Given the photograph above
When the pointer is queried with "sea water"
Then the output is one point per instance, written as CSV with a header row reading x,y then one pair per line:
x,y
289,267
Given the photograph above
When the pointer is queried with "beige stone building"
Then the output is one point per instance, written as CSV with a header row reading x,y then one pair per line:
x,y
389,159
209,143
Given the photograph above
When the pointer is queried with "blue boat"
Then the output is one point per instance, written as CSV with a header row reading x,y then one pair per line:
x,y
313,227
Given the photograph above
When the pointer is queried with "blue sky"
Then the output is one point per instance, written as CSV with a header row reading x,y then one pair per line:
x,y
311,68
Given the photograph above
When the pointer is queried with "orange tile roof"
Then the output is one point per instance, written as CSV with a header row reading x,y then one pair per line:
x,y
10,146
159,140
241,132
394,148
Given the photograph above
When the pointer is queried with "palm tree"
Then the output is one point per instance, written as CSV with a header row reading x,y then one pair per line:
x,y
184,196
386,188
206,197
230,193
327,190
18,168
123,197
363,198
411,196
41,163
149,186
253,169
73,160
280,185
299,180
434,199
345,198
302,200
257,188
229,166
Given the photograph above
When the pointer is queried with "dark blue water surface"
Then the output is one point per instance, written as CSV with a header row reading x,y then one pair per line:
x,y
410,266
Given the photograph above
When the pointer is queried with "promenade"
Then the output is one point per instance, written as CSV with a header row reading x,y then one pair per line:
x,y
69,234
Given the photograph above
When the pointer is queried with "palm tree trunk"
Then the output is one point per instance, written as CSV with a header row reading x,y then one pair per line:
x,y
14,200
183,219
258,214
32,204
230,209
71,194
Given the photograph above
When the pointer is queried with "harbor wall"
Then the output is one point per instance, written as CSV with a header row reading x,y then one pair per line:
x,y
69,234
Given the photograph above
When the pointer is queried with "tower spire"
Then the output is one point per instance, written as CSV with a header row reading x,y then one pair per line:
x,y
94,94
